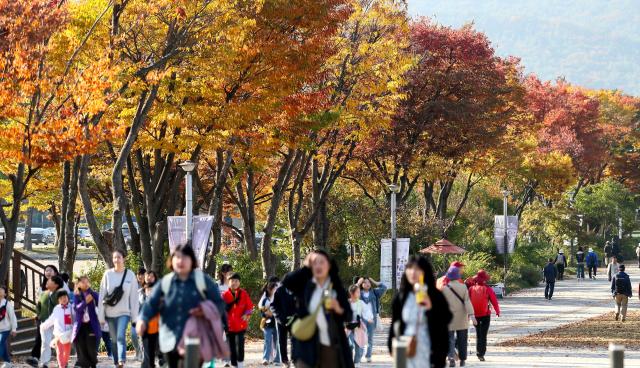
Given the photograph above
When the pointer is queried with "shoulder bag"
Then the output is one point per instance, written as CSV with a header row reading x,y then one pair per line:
x,y
113,298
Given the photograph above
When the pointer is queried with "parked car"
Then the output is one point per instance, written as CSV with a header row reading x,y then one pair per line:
x,y
20,235
49,235
37,235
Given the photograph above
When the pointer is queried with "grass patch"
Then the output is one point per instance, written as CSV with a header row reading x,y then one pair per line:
x,y
596,332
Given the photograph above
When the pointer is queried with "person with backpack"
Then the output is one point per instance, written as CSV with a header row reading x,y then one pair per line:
x,y
268,326
44,308
239,309
61,323
561,264
580,257
457,296
118,304
8,325
482,297
550,274
371,292
592,263
86,329
621,289
612,268
180,296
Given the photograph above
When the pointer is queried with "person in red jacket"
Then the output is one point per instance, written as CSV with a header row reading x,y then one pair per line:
x,y
481,295
239,308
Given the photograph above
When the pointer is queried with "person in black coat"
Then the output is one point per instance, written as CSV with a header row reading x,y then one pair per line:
x,y
438,315
329,347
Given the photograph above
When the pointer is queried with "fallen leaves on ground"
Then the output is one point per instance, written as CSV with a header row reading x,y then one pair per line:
x,y
596,332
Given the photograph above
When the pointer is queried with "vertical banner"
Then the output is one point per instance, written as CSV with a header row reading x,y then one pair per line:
x,y
512,233
200,236
386,264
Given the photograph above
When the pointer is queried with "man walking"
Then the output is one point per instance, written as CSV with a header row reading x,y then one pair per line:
x,y
482,296
580,263
612,268
550,274
592,263
561,263
621,289
638,254
608,252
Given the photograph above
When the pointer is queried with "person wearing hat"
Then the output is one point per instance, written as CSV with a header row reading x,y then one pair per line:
x,y
592,263
442,281
561,263
461,308
482,297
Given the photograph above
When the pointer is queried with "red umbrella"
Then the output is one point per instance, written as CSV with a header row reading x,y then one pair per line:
x,y
443,246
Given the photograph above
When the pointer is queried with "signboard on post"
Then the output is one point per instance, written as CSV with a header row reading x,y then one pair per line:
x,y
512,233
386,262
200,237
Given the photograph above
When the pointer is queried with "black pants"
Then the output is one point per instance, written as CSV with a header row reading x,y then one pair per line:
x,y
560,271
548,290
482,329
283,340
86,347
35,352
639,262
594,269
236,345
149,343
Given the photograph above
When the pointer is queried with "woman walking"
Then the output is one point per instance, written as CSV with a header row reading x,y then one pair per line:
x,y
176,299
8,325
239,308
371,296
268,324
86,329
118,304
317,289
424,318
49,272
457,296
482,296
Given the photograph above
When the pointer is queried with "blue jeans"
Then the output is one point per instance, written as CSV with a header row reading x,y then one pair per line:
x,y
118,331
135,340
371,330
357,357
4,346
580,271
271,342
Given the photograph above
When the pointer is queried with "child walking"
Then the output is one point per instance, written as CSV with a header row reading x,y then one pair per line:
x,y
61,320
8,325
86,329
150,337
357,328
268,325
239,308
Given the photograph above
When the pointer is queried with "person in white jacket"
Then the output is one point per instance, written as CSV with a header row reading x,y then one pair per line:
x,y
61,320
8,324
117,312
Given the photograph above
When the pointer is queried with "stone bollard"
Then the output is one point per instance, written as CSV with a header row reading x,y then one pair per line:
x,y
399,347
192,352
616,356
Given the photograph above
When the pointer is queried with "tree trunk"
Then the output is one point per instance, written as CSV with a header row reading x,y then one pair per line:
x,y
10,223
296,243
104,246
62,238
66,262
26,243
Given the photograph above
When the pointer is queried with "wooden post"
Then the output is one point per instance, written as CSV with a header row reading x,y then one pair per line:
x,y
17,283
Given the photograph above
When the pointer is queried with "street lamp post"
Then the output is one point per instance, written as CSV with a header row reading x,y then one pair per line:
x,y
188,167
394,241
505,194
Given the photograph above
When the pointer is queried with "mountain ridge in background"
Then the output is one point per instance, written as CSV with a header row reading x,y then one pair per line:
x,y
592,43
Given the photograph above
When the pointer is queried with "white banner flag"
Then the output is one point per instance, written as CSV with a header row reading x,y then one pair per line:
x,y
200,236
386,264
512,233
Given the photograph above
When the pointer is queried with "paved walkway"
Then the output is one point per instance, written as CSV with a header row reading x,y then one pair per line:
x,y
523,313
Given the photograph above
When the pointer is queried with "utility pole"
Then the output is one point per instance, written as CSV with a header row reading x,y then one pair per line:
x,y
394,241
188,167
505,194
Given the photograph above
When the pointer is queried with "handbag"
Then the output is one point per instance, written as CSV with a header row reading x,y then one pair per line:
x,y
412,347
113,298
304,328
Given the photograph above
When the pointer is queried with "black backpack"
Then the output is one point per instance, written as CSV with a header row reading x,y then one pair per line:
x,y
620,285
